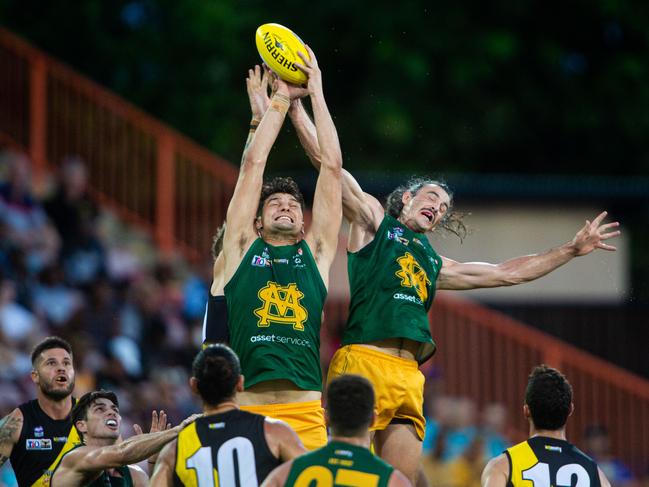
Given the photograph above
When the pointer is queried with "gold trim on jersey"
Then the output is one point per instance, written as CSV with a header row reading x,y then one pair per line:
x,y
72,441
187,445
522,458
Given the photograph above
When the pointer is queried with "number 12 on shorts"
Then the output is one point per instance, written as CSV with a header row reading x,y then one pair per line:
x,y
539,474
201,462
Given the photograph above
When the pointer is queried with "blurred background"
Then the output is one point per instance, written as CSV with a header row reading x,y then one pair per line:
x,y
122,123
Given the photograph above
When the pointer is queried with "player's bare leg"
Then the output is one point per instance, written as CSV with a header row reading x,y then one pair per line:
x,y
399,445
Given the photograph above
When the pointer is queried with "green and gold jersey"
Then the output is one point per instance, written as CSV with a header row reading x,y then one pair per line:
x,y
339,463
121,478
543,462
275,301
392,285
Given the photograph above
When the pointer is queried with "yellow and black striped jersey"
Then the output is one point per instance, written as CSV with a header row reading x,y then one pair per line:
x,y
223,450
547,462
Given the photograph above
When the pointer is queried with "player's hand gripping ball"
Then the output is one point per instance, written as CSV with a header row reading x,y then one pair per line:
x,y
278,47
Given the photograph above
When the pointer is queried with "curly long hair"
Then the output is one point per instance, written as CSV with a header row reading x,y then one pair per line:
x,y
452,221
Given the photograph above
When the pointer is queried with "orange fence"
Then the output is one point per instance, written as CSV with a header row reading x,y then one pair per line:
x,y
157,178
487,356
144,170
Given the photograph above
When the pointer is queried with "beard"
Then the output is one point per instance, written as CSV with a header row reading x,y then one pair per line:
x,y
50,389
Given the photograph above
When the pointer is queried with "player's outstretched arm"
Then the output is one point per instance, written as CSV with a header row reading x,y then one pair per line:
x,y
327,200
10,428
85,461
163,473
277,478
496,472
358,207
242,209
472,275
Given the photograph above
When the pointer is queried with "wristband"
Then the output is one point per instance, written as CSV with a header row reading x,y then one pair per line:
x,y
280,103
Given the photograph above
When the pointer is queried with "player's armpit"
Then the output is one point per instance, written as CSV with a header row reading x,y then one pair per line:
x,y
360,208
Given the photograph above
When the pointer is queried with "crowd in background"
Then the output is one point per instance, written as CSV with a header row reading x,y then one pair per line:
x,y
134,319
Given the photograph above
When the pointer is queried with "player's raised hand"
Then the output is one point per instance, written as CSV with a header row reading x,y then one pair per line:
x,y
257,84
158,423
287,89
593,234
312,70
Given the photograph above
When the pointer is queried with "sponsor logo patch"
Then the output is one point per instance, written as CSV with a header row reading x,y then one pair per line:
x,y
408,297
397,234
38,432
344,453
216,426
259,261
38,444
300,342
553,448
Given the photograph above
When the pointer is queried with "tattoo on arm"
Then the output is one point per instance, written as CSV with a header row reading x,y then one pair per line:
x,y
9,425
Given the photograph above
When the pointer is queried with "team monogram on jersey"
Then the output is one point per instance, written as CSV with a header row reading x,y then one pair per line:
x,y
413,275
281,305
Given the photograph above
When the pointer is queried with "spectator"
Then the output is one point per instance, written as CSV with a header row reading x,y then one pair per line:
x,y
25,222
494,422
75,216
597,445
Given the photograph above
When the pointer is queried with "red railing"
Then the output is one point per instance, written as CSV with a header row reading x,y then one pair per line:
x,y
487,356
160,180
141,168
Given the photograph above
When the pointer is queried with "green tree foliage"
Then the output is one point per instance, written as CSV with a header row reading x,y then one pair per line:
x,y
531,87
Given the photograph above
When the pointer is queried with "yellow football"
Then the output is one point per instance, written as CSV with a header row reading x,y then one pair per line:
x,y
278,47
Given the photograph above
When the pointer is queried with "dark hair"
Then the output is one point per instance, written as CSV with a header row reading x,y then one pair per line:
x,y
48,344
549,397
80,410
279,185
451,222
217,241
217,371
350,404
